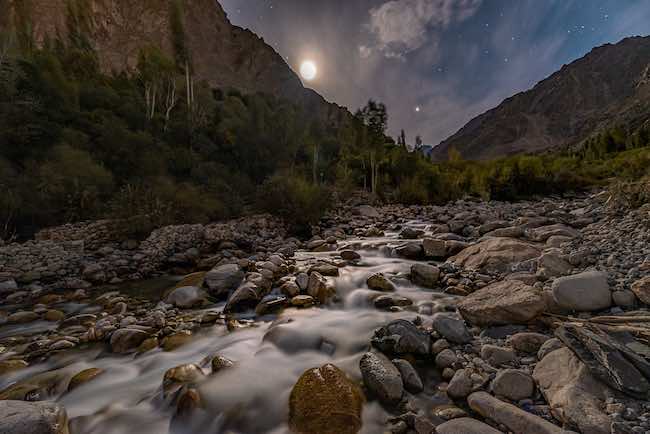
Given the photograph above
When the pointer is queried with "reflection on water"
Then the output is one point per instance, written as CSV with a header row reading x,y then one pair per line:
x,y
251,397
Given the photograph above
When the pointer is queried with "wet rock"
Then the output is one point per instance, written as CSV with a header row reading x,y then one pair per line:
x,y
83,377
7,366
402,337
379,282
290,289
22,317
319,288
425,275
350,255
325,401
381,378
391,300
495,255
53,315
271,304
461,384
513,384
465,425
148,345
186,297
496,355
325,269
38,387
244,298
641,289
508,302
410,233
224,279
410,378
451,327
302,280
127,340
583,292
181,375
410,251
19,417
515,419
528,342
434,248
176,340
303,301
574,394
220,363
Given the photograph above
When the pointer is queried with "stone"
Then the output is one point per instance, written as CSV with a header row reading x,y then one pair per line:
x,y
319,288
325,401
388,301
528,342
367,211
271,304
446,359
186,297
625,299
461,384
451,327
379,282
302,280
410,378
126,340
83,377
502,303
513,384
402,337
497,356
641,288
434,248
381,378
495,255
182,375
325,269
290,289
219,363
176,340
350,255
551,264
425,275
465,425
543,233
22,317
575,396
410,233
223,279
244,298
514,418
303,301
20,417
7,366
410,251
548,347
53,315
584,292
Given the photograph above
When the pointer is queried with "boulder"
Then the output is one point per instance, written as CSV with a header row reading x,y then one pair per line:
x,y
496,355
186,297
528,342
461,384
367,211
451,327
83,377
425,275
402,337
575,396
379,282
410,377
223,279
507,302
495,255
514,418
584,292
411,233
20,417
434,248
126,340
543,233
325,401
641,289
244,298
319,288
410,251
465,425
381,378
513,384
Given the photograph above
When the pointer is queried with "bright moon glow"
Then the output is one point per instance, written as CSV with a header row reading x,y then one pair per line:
x,y
308,70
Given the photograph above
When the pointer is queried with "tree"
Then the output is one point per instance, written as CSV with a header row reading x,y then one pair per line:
x,y
418,143
375,117
401,140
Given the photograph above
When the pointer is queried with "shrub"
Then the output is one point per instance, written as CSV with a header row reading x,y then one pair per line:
x,y
299,202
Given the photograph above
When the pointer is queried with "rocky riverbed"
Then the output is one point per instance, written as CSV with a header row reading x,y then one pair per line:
x,y
471,318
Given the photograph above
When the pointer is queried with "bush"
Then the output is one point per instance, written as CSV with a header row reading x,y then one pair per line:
x,y
412,191
297,201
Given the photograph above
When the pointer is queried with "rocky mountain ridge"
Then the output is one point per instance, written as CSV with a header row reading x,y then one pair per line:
x,y
220,53
608,87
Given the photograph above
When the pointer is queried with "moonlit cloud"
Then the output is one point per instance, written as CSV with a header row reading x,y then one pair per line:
x,y
403,26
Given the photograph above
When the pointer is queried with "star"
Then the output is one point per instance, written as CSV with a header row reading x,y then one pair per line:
x,y
417,109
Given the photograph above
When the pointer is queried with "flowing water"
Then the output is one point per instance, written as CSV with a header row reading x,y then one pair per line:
x,y
251,397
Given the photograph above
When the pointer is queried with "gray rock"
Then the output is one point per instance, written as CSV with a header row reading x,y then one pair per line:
x,y
514,418
434,248
528,342
446,359
381,378
495,255
513,384
451,327
410,377
583,292
20,417
425,275
497,356
319,288
548,347
410,233
461,384
410,251
224,279
465,425
186,297
126,340
402,337
624,299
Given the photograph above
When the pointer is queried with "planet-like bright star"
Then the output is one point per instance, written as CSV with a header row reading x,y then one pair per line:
x,y
417,109
308,70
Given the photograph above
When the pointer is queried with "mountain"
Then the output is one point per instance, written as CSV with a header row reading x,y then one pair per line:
x,y
221,54
608,87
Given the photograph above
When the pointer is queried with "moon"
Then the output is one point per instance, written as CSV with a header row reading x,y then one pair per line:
x,y
308,70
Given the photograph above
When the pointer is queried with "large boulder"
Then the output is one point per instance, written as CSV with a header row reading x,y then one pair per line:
x,y
425,275
382,378
402,337
325,401
126,340
223,279
319,288
583,292
20,417
513,418
508,302
451,327
576,397
495,255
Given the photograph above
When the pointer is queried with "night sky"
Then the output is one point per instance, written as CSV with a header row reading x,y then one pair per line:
x,y
435,63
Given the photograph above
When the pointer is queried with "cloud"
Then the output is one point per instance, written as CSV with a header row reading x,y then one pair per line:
x,y
402,26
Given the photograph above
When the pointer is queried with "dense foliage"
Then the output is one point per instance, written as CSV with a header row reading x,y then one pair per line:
x,y
77,144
